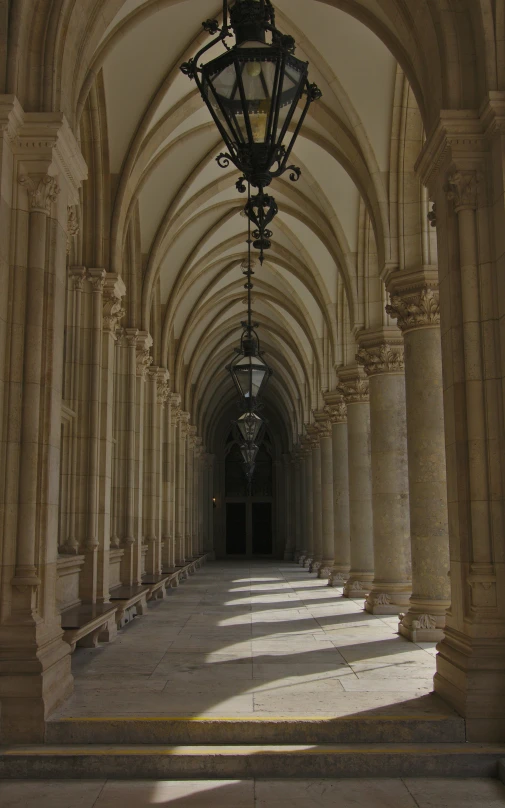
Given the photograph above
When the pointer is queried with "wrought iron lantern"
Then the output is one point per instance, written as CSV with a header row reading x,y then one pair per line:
x,y
249,370
250,428
253,90
248,469
249,452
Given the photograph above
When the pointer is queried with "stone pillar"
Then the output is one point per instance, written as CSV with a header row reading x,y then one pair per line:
x,y
381,354
160,494
309,503
355,389
166,485
41,153
327,514
317,519
182,432
128,564
297,504
288,507
113,312
336,409
88,577
149,477
415,304
190,492
463,165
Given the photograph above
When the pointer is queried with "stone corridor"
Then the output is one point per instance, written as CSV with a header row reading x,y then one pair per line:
x,y
254,640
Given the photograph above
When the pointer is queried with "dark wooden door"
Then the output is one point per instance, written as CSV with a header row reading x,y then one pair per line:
x,y
236,540
261,528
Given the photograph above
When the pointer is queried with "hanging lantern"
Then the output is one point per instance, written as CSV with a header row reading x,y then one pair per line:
x,y
249,471
249,428
249,370
249,452
253,91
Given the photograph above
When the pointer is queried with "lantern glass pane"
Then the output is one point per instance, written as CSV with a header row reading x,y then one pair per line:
x,y
249,425
250,372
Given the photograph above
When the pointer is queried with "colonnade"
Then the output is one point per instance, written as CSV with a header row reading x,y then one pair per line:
x,y
372,466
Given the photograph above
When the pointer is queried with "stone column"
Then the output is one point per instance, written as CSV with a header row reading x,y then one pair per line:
x,y
327,514
149,476
317,519
182,432
166,483
88,577
415,304
463,165
355,389
113,312
190,493
288,507
381,354
336,409
297,504
160,498
309,503
127,564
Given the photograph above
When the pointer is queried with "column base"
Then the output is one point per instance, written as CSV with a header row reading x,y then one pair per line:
x,y
338,576
424,621
307,562
325,570
315,566
471,678
358,585
388,598
289,555
37,680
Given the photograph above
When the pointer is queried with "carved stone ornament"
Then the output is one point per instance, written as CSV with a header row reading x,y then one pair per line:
x,y
416,311
113,312
462,188
338,579
144,358
383,359
355,391
323,425
426,621
42,192
72,226
163,392
337,413
382,599
356,586
77,276
432,215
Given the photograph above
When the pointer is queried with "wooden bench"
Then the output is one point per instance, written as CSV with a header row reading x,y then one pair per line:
x,y
129,601
87,624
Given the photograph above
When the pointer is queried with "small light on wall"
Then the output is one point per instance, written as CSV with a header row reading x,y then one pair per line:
x,y
213,502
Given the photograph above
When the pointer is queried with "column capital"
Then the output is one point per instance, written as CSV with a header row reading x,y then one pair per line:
x,y
184,422
462,188
460,140
381,351
415,299
96,277
353,384
73,228
44,143
42,190
322,422
130,337
313,435
191,432
162,386
335,406
113,293
144,358
77,277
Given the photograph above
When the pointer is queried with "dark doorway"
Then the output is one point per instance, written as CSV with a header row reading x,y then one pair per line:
x,y
262,528
236,542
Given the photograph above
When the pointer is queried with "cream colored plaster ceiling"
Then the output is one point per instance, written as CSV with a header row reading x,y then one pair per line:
x,y
163,145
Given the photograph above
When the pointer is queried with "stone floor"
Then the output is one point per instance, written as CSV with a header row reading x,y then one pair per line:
x,y
415,793
254,639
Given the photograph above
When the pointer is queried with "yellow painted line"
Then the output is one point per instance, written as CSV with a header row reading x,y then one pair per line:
x,y
258,719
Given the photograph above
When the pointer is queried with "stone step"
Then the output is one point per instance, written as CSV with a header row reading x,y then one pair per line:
x,y
416,728
246,762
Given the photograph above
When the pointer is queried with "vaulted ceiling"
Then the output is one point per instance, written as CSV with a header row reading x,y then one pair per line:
x,y
162,146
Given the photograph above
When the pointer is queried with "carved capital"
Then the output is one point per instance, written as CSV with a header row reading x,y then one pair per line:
x,y
380,359
77,277
113,311
355,391
72,226
462,188
312,435
42,192
97,279
163,388
322,423
144,358
337,413
419,310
